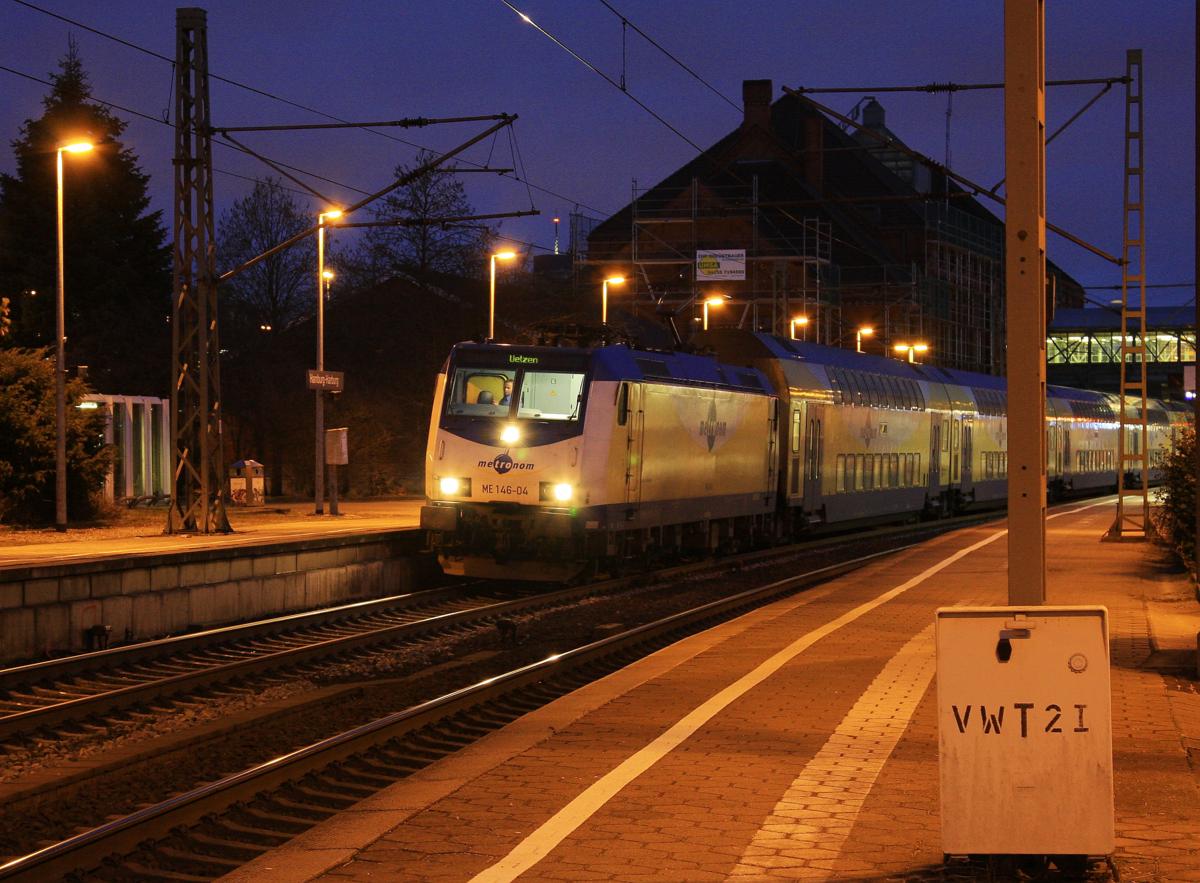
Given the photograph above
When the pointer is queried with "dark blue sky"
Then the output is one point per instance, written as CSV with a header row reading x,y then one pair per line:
x,y
585,141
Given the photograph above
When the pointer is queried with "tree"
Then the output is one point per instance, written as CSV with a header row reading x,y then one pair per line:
x,y
281,289
27,441
118,279
458,249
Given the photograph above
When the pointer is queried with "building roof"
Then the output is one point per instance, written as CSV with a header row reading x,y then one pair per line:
x,y
1106,319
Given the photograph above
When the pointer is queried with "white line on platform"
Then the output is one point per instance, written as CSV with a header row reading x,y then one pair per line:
x,y
846,767
562,824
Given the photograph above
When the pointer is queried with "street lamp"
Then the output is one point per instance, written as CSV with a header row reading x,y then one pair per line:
x,y
496,256
60,364
716,300
614,280
323,277
802,321
863,331
911,349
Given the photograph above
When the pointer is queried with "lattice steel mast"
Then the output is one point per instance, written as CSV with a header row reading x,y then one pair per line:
x,y
197,491
1133,503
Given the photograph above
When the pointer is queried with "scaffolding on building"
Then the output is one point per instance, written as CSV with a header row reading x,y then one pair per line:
x,y
964,278
788,271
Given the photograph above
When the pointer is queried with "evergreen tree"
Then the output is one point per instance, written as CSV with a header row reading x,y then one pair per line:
x,y
118,277
27,442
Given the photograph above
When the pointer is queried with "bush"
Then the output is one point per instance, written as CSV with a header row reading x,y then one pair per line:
x,y
27,442
1176,519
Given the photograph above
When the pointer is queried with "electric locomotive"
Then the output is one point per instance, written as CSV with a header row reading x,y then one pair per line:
x,y
545,461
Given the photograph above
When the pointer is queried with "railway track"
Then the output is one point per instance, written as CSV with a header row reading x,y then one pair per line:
x,y
204,832
67,692
58,692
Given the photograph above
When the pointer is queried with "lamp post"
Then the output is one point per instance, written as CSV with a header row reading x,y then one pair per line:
x,y
60,364
323,277
802,321
911,350
716,300
615,280
496,256
863,331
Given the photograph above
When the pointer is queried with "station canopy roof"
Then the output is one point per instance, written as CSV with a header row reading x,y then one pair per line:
x,y
1104,319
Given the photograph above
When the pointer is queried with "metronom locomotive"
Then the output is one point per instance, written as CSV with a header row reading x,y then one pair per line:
x,y
548,463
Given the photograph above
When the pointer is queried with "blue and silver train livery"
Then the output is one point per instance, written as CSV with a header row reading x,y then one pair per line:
x,y
544,460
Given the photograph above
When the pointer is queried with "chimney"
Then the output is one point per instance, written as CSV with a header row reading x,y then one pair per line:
x,y
813,150
872,114
756,100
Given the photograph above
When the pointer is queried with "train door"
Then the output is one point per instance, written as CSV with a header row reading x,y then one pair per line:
x,y
955,475
934,479
634,440
814,454
967,480
795,439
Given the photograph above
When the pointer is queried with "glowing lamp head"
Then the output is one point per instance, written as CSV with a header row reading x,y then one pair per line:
x,y
449,486
510,435
866,331
332,214
921,347
327,275
715,301
78,147
615,280
563,492
801,320
504,255
901,347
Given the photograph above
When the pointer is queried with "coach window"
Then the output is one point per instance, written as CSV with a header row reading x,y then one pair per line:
x,y
796,431
840,473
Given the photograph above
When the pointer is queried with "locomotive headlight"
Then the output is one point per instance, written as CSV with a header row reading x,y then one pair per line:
x,y
555,492
510,435
450,486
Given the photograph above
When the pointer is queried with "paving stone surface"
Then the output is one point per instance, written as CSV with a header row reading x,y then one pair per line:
x,y
826,769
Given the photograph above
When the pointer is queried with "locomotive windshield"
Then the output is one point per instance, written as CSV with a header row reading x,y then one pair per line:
x,y
532,393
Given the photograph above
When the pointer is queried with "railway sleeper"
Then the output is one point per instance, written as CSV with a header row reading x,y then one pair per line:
x,y
344,790
358,774
245,833
235,848
142,872
300,808
323,798
279,820
191,859
366,774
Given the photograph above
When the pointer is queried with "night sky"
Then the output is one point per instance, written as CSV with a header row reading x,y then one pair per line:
x,y
585,141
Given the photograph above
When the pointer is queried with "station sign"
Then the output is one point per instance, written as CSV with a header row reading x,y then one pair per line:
x,y
327,381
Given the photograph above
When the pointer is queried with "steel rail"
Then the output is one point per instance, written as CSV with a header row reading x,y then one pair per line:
x,y
172,685
125,834
170,652
93,662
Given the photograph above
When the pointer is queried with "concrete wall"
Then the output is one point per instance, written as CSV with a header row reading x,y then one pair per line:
x,y
45,610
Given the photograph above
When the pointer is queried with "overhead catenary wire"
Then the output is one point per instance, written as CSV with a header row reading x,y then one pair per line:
x,y
625,22
146,116
529,21
274,97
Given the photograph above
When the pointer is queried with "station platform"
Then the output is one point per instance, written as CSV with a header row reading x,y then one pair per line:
x,y
143,535
797,742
